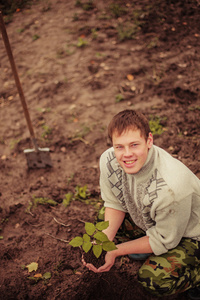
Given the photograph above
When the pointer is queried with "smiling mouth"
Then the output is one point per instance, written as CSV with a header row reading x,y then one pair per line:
x,y
130,162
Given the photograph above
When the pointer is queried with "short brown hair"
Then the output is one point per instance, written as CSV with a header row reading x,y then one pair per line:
x,y
128,119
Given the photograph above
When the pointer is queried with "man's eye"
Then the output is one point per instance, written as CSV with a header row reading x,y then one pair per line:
x,y
134,145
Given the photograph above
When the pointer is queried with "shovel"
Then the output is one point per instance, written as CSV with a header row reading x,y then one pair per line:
x,y
37,157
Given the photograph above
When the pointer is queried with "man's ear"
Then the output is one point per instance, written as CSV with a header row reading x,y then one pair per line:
x,y
150,140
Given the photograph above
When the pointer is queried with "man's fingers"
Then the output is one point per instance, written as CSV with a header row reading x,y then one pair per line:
x,y
91,268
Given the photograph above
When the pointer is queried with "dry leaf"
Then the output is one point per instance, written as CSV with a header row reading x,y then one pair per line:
x,y
130,77
32,267
38,275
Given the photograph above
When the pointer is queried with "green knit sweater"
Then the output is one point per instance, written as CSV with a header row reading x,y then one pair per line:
x,y
163,198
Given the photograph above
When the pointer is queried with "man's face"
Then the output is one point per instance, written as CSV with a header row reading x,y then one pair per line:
x,y
131,149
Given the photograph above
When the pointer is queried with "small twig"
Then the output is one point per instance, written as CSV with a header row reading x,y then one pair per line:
x,y
60,223
61,240
78,220
80,139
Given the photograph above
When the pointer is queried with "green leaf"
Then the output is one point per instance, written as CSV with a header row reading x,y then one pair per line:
x,y
86,246
86,238
97,250
32,267
90,228
76,242
1,237
67,199
47,275
109,246
102,225
98,242
101,237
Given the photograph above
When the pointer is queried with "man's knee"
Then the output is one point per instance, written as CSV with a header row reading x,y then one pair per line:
x,y
155,281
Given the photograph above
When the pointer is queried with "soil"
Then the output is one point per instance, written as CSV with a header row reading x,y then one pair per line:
x,y
139,54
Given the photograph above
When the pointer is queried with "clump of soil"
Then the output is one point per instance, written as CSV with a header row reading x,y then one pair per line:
x,y
89,257
79,65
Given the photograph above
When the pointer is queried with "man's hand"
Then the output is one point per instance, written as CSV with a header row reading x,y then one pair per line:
x,y
109,262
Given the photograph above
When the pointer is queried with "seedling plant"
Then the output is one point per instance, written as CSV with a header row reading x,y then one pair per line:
x,y
94,239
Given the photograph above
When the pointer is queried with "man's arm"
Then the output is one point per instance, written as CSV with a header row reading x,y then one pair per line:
x,y
115,218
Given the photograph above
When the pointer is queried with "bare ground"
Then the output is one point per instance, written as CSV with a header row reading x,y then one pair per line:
x,y
71,91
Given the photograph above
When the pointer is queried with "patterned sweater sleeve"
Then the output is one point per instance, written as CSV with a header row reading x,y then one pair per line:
x,y
171,222
109,198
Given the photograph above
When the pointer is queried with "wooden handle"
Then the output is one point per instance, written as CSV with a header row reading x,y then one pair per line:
x,y
14,70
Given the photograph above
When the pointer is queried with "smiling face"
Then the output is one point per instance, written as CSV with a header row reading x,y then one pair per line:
x,y
131,149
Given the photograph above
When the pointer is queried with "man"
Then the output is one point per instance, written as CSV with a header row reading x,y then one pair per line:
x,y
162,197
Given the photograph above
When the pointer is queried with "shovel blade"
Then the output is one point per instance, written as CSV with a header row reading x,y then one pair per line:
x,y
38,159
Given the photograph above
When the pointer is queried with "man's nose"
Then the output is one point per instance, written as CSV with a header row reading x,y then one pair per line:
x,y
127,151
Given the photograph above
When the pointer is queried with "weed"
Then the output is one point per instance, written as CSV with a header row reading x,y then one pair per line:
x,y
153,43
47,131
119,98
39,201
81,42
78,3
68,198
155,126
88,5
94,238
44,110
127,31
117,10
20,30
104,16
100,55
81,133
35,37
194,108
4,221
94,33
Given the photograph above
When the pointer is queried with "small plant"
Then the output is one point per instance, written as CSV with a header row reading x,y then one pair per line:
x,y
127,31
94,238
155,126
47,131
81,42
88,5
119,98
67,199
117,10
94,33
42,201
81,192
35,37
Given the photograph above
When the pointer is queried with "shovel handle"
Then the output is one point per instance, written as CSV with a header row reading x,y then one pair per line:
x,y
15,73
